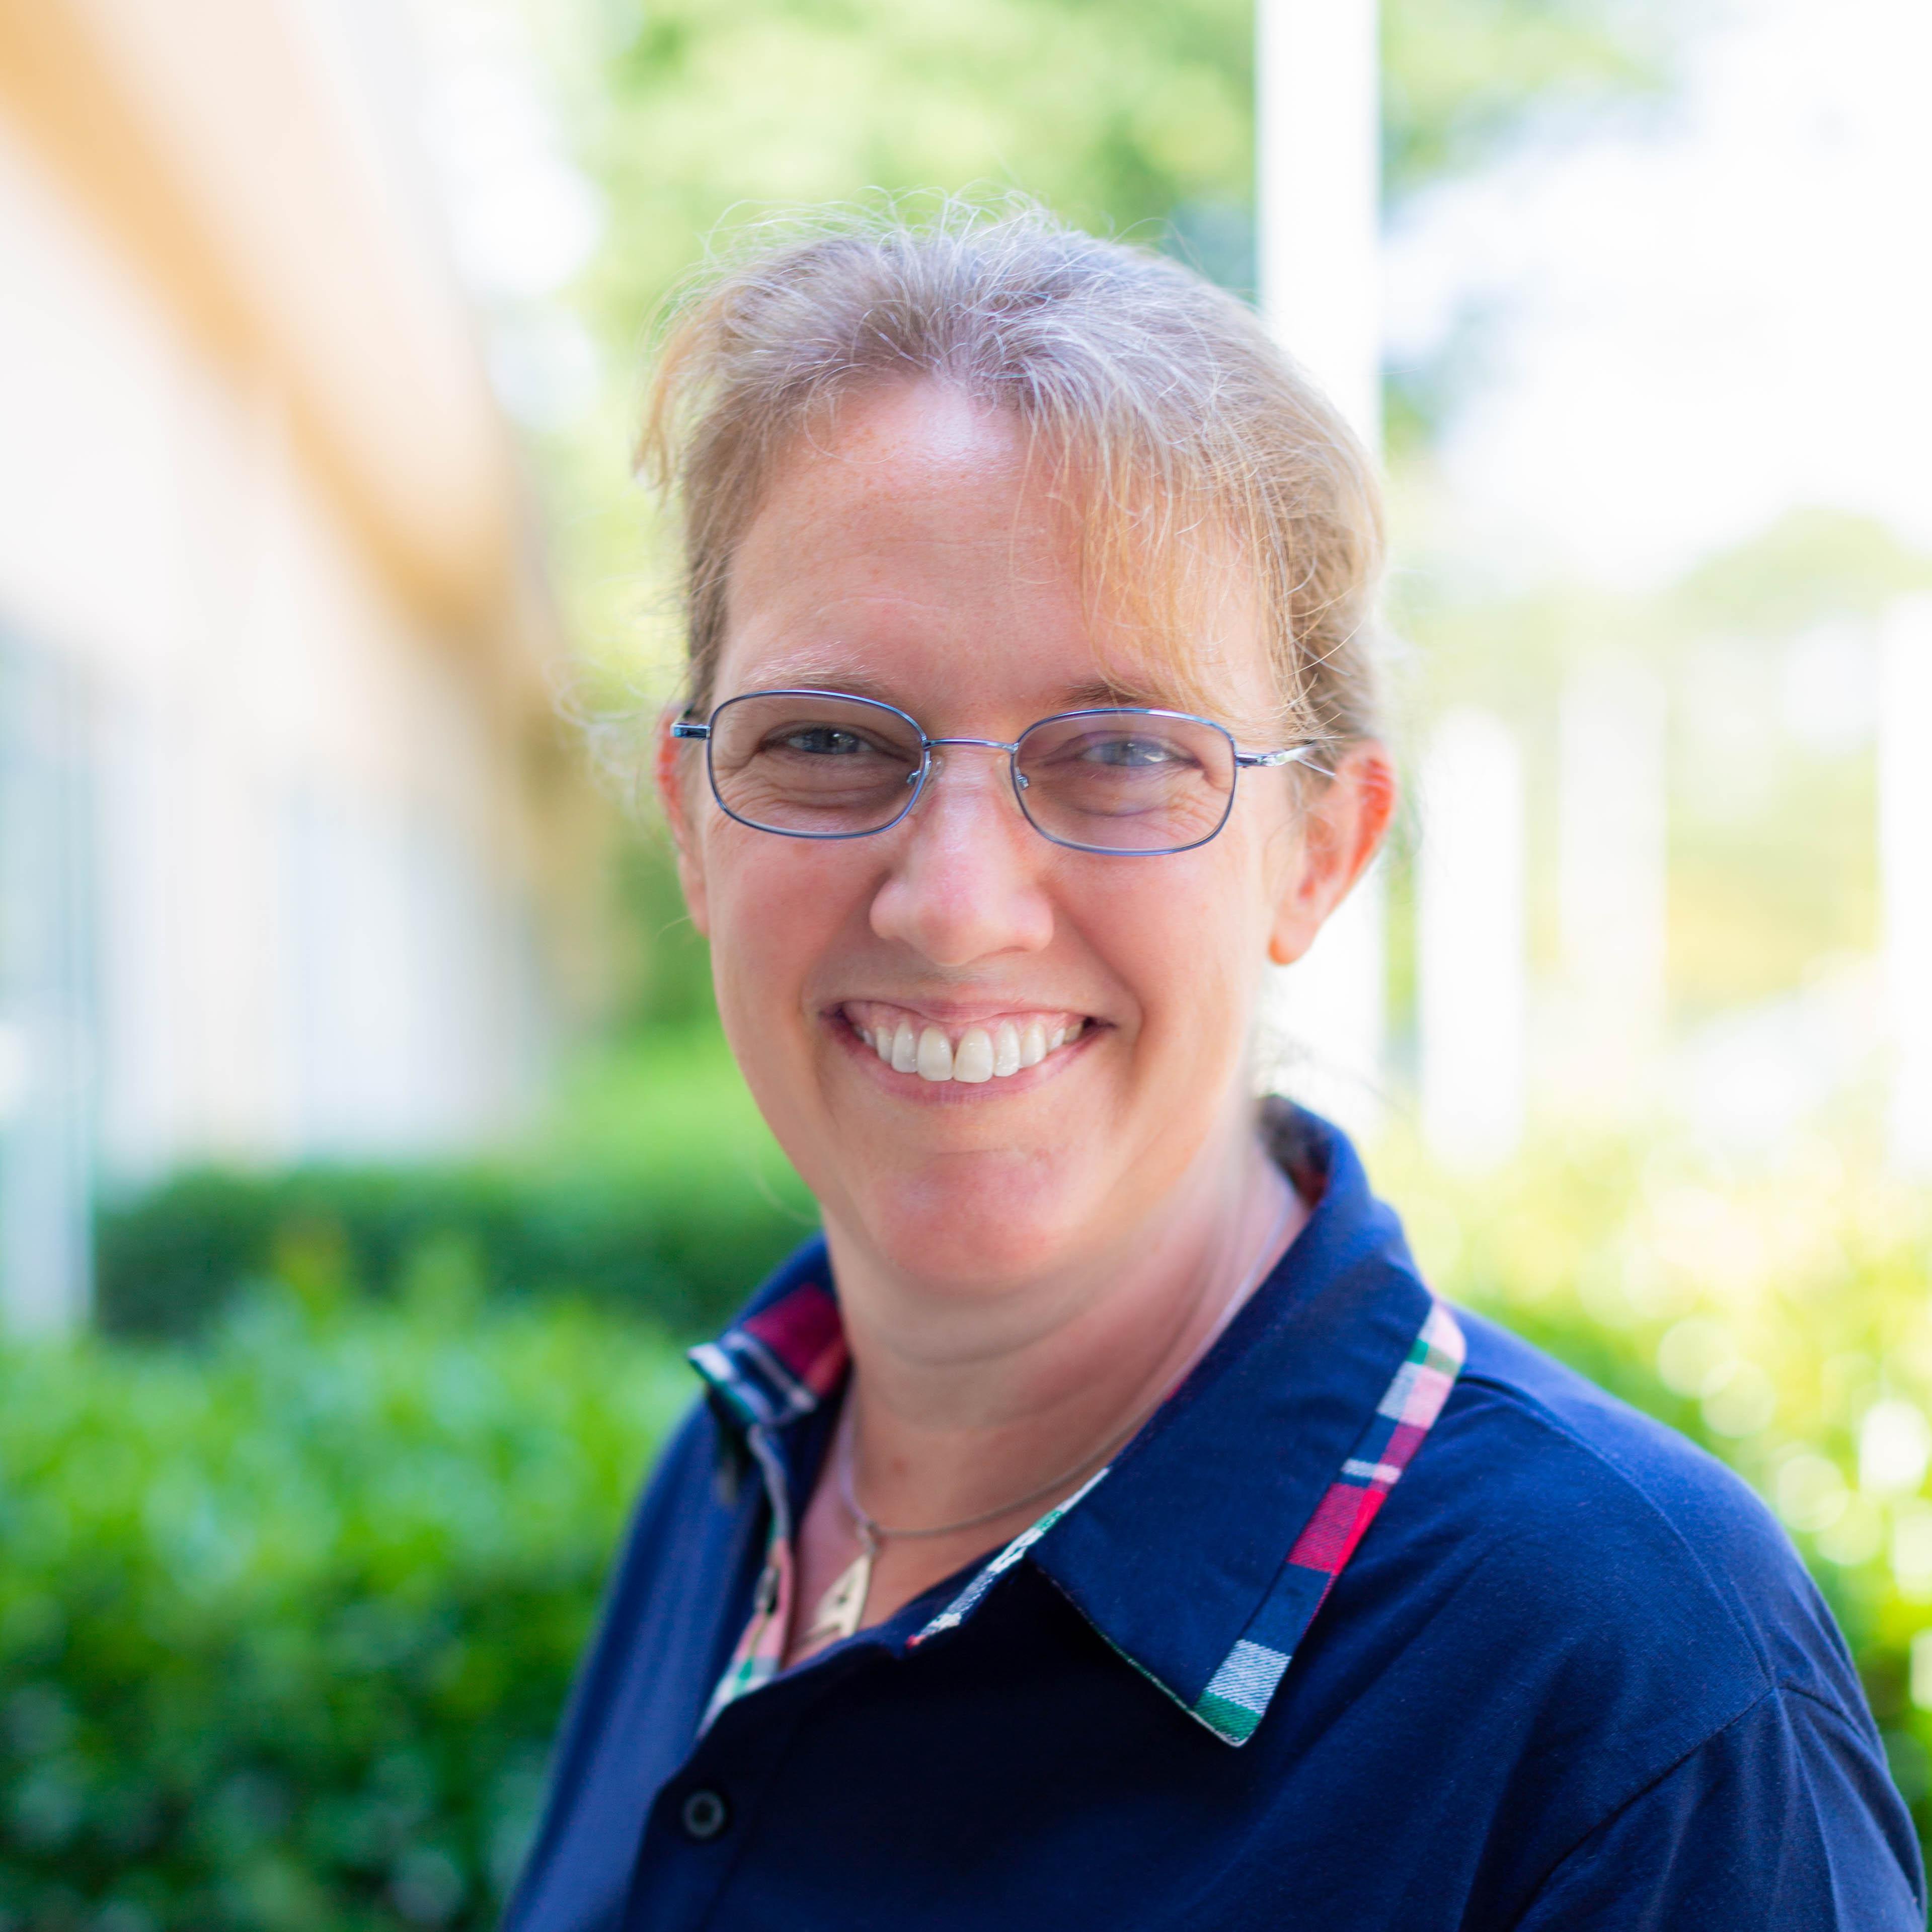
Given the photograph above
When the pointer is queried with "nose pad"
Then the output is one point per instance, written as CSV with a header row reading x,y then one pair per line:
x,y
936,766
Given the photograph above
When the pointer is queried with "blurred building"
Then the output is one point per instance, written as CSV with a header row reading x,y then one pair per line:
x,y
285,820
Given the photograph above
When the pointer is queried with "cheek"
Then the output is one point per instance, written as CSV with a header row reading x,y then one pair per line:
x,y
1189,937
776,905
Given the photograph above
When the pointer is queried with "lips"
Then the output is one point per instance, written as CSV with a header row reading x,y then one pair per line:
x,y
972,1051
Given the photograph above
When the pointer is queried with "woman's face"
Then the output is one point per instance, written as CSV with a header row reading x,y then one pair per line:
x,y
908,556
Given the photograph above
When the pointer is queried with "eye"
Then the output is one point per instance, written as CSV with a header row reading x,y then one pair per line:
x,y
1131,753
821,741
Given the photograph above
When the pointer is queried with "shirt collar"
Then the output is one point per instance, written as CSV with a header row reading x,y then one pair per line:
x,y
1209,1547
1219,1529
780,1360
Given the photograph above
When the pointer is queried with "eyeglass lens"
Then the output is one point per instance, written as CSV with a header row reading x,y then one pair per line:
x,y
824,766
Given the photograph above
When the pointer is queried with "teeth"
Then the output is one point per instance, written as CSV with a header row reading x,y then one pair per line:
x,y
994,1051
1006,1049
935,1056
973,1063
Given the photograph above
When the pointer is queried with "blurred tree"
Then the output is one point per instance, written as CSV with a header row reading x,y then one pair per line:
x,y
1134,116
1462,78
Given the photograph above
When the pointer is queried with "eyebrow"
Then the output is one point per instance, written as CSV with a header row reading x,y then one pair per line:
x,y
829,674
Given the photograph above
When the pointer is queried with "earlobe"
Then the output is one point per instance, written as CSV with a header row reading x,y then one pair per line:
x,y
671,769
1342,827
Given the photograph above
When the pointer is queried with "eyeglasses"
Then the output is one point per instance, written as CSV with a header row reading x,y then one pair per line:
x,y
1114,778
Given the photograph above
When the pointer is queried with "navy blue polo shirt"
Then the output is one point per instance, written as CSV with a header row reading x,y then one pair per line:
x,y
1565,1672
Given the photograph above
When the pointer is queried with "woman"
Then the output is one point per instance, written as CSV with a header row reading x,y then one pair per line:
x,y
1103,1524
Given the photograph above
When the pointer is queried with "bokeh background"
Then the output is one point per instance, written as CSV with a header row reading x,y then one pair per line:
x,y
367,1147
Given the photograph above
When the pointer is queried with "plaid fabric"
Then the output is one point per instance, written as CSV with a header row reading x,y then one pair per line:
x,y
776,1365
1238,1694
760,1655
780,1363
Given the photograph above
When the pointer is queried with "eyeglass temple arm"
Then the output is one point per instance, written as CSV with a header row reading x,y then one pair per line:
x,y
686,728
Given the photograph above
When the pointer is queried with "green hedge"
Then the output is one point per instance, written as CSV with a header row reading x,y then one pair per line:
x,y
286,1622
656,1188
684,1250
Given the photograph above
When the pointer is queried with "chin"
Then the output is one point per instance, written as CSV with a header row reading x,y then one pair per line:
x,y
974,1221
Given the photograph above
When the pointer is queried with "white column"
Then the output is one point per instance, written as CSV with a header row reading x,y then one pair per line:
x,y
1471,941
46,887
1318,230
1318,134
1612,869
1905,869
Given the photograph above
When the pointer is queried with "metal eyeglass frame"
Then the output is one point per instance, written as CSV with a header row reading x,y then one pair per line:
x,y
691,730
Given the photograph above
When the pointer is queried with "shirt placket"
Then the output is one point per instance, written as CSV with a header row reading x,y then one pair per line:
x,y
759,1655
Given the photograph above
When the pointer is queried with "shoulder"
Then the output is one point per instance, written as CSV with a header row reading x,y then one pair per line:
x,y
1573,1505
1597,1586
1590,1614
1783,1821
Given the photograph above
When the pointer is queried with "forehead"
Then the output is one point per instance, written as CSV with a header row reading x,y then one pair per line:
x,y
923,547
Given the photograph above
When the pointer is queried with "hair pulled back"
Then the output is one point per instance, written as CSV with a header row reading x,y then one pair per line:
x,y
1180,427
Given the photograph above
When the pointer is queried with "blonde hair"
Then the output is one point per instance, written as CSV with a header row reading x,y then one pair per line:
x,y
1169,411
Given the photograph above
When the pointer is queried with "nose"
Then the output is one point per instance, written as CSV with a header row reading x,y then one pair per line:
x,y
966,879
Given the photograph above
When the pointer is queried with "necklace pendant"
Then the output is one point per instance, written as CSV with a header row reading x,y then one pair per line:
x,y
843,1606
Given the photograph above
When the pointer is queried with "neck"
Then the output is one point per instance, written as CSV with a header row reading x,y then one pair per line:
x,y
959,1403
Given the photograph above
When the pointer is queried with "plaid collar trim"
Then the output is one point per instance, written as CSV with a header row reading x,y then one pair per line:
x,y
780,1360
1221,1528
1242,1550
1237,1695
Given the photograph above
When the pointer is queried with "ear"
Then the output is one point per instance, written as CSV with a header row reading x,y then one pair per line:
x,y
1342,826
680,781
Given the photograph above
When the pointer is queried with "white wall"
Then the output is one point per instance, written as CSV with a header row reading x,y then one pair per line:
x,y
307,923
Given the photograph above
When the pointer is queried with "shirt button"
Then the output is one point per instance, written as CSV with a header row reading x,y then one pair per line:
x,y
705,1815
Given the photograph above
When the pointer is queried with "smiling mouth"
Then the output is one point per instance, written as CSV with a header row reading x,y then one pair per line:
x,y
995,1049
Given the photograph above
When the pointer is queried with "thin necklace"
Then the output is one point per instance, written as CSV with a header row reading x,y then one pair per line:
x,y
843,1607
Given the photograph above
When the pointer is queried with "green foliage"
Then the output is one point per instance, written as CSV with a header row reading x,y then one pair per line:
x,y
285,1623
1781,1319
1115,114
1462,78
1119,112
657,1189
669,983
